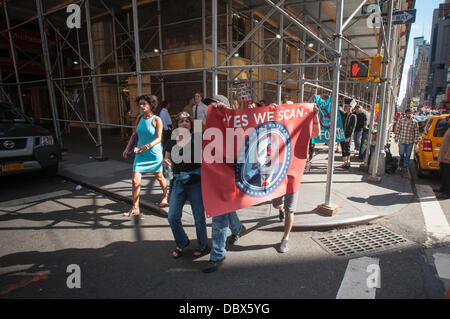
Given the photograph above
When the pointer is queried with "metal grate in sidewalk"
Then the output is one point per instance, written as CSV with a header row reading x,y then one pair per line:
x,y
374,239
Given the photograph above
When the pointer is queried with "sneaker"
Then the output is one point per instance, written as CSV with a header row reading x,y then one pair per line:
x,y
284,247
234,238
212,266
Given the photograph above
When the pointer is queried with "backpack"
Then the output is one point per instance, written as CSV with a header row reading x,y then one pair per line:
x,y
391,162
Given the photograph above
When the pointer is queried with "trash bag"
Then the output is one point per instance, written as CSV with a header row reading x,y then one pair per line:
x,y
391,161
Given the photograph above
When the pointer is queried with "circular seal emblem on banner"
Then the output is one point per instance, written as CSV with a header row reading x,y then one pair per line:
x,y
264,159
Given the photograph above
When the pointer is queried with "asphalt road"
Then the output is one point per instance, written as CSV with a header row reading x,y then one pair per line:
x,y
47,225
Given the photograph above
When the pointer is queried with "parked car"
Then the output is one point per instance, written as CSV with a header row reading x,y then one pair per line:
x,y
421,119
426,152
25,146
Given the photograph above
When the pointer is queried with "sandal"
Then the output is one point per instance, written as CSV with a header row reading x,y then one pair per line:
x,y
178,252
163,203
200,252
132,211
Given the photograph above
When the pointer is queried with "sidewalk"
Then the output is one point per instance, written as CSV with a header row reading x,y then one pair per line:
x,y
358,200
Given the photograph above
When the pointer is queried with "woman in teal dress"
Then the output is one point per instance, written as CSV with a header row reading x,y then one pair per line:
x,y
148,151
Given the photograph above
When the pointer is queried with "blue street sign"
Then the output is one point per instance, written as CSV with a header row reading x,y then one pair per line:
x,y
404,17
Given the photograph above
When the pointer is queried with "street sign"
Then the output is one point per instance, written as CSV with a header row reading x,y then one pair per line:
x,y
404,17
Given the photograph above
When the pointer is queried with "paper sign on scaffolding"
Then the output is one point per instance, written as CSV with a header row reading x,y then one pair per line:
x,y
244,92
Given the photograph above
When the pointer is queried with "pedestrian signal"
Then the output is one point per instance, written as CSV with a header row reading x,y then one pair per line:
x,y
359,69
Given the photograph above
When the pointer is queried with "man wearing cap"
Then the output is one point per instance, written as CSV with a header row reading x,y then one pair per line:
x,y
221,223
406,136
361,123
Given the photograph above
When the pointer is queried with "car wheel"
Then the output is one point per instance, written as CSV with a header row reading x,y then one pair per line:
x,y
419,170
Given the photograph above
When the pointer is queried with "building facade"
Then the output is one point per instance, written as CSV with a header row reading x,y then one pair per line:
x,y
440,53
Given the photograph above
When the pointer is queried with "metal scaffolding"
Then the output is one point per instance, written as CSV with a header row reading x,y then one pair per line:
x,y
318,46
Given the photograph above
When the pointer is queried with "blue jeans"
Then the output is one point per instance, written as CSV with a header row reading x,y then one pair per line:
x,y
405,153
220,226
357,139
193,193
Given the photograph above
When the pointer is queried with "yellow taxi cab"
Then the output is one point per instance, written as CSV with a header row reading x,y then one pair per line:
x,y
426,152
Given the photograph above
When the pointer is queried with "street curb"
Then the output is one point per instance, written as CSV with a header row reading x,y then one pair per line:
x,y
297,227
100,189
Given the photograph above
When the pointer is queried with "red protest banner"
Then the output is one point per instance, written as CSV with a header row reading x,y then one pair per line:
x,y
253,155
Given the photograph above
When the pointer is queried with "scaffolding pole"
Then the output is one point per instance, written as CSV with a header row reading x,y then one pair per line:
x,y
94,81
327,207
214,49
13,56
205,93
47,62
371,125
383,104
161,62
280,59
116,62
137,47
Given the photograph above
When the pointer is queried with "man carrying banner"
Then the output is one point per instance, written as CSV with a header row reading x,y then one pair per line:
x,y
290,200
221,223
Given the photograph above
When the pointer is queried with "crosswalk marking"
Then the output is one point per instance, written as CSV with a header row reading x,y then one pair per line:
x,y
442,263
357,282
436,224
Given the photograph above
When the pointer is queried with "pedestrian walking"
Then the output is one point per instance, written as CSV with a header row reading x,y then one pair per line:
x,y
149,156
444,163
167,123
186,185
406,136
361,123
287,204
349,121
221,223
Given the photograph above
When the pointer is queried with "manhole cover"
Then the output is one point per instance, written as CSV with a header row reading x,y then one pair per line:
x,y
362,241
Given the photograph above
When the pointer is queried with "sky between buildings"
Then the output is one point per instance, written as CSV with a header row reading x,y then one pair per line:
x,y
422,27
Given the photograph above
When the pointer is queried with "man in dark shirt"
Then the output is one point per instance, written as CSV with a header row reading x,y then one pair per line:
x,y
349,122
361,122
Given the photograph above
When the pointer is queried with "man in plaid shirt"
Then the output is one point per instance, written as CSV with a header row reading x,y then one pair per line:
x,y
406,136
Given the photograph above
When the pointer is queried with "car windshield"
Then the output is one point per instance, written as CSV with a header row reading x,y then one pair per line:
x,y
9,113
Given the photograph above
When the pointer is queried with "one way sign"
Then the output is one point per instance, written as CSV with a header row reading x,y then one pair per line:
x,y
404,17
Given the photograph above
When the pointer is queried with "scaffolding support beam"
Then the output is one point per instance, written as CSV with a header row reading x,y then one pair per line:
x,y
47,62
383,104
13,56
214,49
137,47
301,26
94,80
327,207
